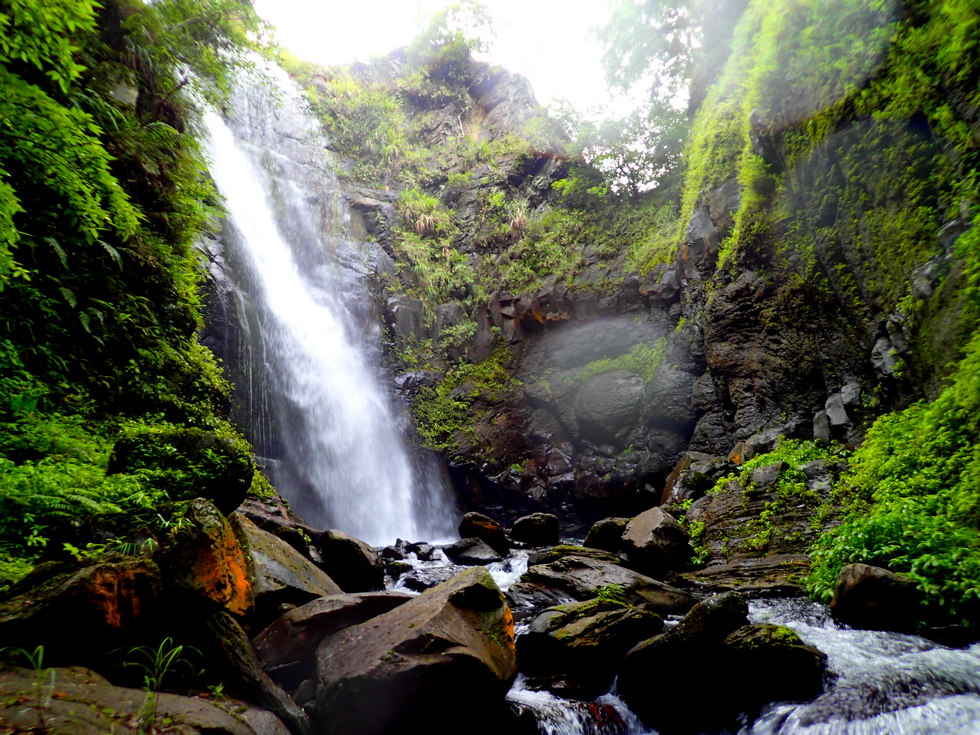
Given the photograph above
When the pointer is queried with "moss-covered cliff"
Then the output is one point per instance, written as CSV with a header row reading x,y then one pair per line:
x,y
815,272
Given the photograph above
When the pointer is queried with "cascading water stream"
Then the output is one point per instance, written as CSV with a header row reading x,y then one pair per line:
x,y
310,399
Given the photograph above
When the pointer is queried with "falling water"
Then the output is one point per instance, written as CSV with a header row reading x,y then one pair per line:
x,y
300,328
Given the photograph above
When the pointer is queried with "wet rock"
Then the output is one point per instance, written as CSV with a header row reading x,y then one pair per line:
x,y
470,552
608,405
286,648
432,663
773,665
579,578
537,529
607,534
766,476
656,675
406,318
873,598
821,427
350,562
477,525
206,558
77,613
188,463
84,703
654,542
426,578
554,553
584,642
836,413
280,574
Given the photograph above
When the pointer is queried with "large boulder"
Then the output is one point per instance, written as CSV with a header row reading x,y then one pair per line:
x,y
188,463
205,559
578,578
443,658
288,646
77,614
578,646
737,667
873,598
554,553
609,405
477,525
655,542
280,574
82,702
350,562
537,529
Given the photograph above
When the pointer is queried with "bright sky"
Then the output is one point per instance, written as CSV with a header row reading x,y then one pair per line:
x,y
548,41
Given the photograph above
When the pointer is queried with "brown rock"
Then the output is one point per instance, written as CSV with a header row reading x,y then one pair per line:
x,y
287,647
654,542
873,598
442,658
477,525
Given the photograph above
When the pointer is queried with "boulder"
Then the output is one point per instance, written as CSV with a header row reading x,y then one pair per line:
x,y
656,677
764,477
554,553
426,578
608,405
579,578
873,598
288,646
773,665
537,529
584,642
82,702
206,559
470,552
477,525
350,562
443,658
79,613
607,534
188,463
280,574
654,542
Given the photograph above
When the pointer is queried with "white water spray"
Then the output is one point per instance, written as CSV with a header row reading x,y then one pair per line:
x,y
313,401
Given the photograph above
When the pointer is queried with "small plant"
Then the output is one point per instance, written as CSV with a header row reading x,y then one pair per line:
x,y
42,694
156,664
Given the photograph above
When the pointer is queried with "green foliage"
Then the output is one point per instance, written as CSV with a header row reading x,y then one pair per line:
x,y
642,359
155,664
445,413
103,193
912,500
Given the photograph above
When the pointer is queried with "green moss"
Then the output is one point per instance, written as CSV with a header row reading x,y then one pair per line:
x,y
642,359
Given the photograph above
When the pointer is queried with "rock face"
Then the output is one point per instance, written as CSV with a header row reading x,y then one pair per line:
x,y
654,542
874,598
440,659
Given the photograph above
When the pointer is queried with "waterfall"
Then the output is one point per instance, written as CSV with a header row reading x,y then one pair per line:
x,y
302,339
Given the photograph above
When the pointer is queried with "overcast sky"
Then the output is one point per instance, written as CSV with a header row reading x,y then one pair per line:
x,y
548,41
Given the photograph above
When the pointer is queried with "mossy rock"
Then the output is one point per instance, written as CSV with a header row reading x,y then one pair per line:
x,y
187,464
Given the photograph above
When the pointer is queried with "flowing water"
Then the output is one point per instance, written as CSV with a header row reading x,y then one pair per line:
x,y
300,336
